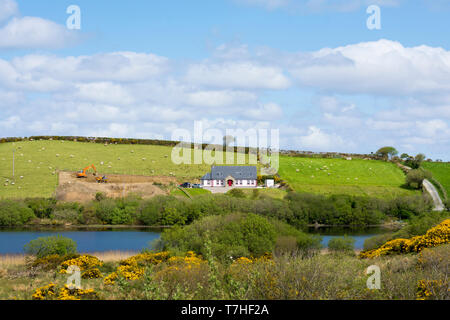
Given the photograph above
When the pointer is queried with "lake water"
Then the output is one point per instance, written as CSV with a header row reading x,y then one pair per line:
x,y
357,233
12,241
88,240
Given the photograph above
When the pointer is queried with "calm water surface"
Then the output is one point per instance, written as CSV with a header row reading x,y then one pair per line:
x,y
12,241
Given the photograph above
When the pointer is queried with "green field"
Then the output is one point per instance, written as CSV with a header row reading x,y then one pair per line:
x,y
339,176
441,172
191,192
38,161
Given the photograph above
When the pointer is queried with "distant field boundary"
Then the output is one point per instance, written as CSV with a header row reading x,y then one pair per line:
x,y
127,141
168,143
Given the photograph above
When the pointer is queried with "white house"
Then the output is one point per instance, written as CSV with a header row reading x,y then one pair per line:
x,y
270,183
231,176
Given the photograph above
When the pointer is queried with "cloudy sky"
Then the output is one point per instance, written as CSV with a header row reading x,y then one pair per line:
x,y
310,68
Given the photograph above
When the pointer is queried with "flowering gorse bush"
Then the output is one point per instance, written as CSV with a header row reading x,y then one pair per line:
x,y
52,292
85,262
429,289
434,237
92,274
133,268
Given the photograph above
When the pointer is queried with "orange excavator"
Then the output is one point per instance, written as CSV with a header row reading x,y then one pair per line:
x,y
82,174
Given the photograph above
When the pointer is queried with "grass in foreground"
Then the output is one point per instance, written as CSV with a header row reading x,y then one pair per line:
x,y
339,176
334,276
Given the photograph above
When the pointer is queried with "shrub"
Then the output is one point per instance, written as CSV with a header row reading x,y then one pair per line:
x,y
285,245
13,213
342,244
54,245
234,235
237,193
377,241
51,262
99,196
415,178
434,237
67,215
42,208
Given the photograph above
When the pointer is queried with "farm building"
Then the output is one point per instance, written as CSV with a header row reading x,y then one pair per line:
x,y
231,176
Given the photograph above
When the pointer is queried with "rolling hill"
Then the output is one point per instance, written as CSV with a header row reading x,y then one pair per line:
x,y
37,163
340,176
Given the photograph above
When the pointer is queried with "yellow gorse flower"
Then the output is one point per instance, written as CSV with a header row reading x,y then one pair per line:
x,y
434,237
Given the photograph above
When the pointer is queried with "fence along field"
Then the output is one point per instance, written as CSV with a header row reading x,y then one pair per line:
x,y
37,163
340,176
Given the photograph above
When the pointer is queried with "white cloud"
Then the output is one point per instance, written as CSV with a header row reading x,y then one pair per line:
x,y
219,99
433,128
34,32
382,67
243,75
267,111
8,8
317,140
104,92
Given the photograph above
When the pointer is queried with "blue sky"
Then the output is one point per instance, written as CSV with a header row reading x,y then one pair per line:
x,y
310,68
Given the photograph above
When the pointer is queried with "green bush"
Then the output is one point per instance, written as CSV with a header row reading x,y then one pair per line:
x,y
14,213
377,241
237,193
51,262
42,208
233,235
54,245
66,215
342,244
99,196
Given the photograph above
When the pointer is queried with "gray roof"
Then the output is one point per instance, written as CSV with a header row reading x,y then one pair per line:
x,y
237,172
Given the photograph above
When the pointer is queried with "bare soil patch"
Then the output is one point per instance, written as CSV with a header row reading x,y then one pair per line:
x,y
72,189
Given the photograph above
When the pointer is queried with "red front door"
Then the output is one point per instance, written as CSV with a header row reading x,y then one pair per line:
x,y
230,183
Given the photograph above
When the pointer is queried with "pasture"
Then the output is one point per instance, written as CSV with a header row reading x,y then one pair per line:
x,y
339,176
441,172
37,164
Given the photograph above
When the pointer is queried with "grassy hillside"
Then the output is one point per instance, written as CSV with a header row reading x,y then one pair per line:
x,y
441,172
38,161
340,176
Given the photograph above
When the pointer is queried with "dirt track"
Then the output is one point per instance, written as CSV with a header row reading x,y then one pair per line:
x,y
81,190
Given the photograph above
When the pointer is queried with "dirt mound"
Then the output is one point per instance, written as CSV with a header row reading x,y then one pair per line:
x,y
81,190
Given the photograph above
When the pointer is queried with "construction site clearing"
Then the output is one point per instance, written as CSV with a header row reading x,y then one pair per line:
x,y
74,189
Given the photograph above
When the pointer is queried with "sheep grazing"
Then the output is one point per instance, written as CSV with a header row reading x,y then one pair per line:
x,y
298,170
102,163
72,156
57,155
